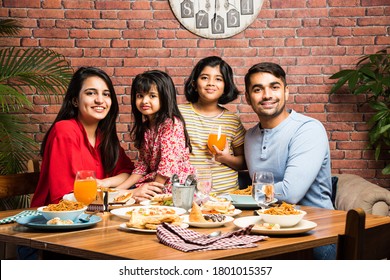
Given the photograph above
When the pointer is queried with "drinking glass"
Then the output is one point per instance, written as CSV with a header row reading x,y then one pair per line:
x,y
85,186
263,188
216,137
205,182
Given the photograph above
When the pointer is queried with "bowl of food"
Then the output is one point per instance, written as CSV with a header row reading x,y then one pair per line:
x,y
285,215
65,210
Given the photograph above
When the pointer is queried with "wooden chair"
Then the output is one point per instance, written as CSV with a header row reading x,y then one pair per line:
x,y
359,243
14,185
20,184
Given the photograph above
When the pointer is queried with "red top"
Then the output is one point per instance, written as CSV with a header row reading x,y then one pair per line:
x,y
67,151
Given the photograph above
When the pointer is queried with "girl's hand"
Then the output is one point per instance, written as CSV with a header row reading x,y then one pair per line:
x,y
147,190
103,183
220,156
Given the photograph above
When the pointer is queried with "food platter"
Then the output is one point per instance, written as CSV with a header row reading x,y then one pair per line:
x,y
227,220
121,212
39,222
126,228
301,227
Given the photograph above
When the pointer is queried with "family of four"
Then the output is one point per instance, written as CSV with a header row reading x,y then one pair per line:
x,y
172,139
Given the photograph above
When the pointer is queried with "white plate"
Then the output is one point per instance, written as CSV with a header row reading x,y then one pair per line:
x,y
235,212
245,201
302,226
125,228
121,212
228,219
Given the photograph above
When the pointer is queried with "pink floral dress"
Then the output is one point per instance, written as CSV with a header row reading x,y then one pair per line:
x,y
164,152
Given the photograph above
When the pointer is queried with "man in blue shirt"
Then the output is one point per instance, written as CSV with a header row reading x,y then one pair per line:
x,y
293,146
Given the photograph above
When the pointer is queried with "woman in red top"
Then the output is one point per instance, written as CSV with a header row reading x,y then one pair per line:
x,y
83,136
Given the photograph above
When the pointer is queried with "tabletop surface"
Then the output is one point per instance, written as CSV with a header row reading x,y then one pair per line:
x,y
106,240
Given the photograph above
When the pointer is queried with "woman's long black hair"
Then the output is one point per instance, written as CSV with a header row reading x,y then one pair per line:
x,y
109,146
190,87
166,89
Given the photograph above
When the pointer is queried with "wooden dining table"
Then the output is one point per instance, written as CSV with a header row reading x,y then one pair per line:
x,y
105,240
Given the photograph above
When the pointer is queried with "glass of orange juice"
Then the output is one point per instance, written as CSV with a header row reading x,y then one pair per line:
x,y
216,138
85,186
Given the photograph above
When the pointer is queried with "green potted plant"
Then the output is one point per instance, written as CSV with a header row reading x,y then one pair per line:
x,y
39,70
372,78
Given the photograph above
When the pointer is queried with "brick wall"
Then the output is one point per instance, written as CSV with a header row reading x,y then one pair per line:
x,y
311,39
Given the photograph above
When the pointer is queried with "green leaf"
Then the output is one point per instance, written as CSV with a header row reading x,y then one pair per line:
x,y
40,70
342,73
9,27
16,147
386,170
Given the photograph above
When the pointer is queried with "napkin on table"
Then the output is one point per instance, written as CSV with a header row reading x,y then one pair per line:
x,y
188,240
25,213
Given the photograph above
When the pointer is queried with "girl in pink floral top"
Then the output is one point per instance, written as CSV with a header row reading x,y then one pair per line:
x,y
159,134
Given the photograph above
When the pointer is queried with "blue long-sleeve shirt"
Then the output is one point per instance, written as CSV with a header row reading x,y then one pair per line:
x,y
297,152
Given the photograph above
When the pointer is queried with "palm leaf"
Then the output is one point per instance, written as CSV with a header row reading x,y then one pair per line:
x,y
9,27
16,147
42,70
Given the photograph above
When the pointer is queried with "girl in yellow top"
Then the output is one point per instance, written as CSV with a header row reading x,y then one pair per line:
x,y
208,87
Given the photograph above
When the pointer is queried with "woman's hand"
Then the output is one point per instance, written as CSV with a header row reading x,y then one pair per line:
x,y
147,190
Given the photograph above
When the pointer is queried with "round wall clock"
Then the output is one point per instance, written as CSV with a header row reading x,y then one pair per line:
x,y
216,19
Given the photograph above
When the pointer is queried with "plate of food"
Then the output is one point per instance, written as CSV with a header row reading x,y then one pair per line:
x,y
126,212
129,227
271,229
147,219
160,199
40,222
197,219
220,206
243,199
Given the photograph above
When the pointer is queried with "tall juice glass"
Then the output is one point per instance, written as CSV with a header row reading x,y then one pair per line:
x,y
217,138
85,186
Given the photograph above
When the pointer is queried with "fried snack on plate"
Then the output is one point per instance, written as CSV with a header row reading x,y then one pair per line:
x,y
196,214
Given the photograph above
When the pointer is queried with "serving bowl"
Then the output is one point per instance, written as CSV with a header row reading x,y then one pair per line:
x,y
63,215
283,220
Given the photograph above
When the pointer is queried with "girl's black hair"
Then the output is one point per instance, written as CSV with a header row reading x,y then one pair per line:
x,y
109,146
190,87
166,89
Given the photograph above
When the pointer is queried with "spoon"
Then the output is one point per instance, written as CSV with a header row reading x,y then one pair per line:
x,y
213,234
88,218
